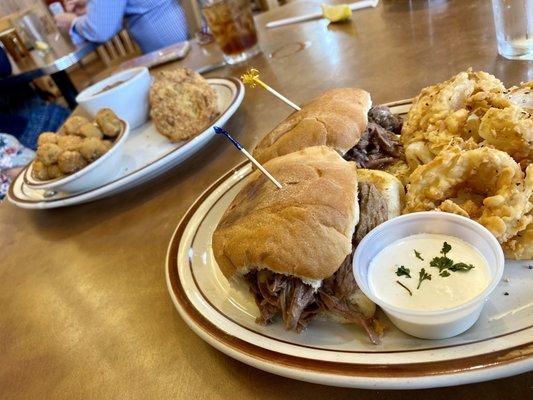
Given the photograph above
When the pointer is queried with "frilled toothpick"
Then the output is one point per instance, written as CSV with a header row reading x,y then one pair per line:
x,y
248,155
251,77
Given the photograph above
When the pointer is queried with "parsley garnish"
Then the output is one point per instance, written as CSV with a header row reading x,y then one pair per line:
x,y
422,276
417,255
445,264
445,249
403,271
441,263
461,267
405,287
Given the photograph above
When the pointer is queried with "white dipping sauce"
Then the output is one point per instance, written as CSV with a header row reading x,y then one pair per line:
x,y
438,293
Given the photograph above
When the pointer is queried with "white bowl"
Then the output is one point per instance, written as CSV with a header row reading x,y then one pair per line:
x,y
89,177
438,324
129,100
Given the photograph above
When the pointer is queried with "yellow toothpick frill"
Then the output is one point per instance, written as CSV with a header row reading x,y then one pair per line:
x,y
251,77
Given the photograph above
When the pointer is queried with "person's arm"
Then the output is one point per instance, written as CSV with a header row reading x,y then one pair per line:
x,y
102,21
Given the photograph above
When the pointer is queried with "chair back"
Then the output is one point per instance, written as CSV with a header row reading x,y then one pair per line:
x,y
118,49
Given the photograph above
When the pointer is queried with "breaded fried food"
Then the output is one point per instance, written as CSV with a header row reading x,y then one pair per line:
x,y
510,130
182,104
91,131
69,142
108,122
483,184
47,137
522,96
49,153
54,172
70,162
520,247
93,148
73,125
39,171
439,114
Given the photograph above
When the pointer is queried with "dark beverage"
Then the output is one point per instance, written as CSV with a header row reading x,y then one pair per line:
x,y
232,25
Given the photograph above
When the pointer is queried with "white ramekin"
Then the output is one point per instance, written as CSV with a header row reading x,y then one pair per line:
x,y
89,177
430,324
129,100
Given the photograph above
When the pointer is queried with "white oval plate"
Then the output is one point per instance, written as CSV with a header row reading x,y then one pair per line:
x,y
498,345
146,155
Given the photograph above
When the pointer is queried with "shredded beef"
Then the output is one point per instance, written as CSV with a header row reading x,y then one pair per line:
x,y
378,146
382,116
297,302
373,211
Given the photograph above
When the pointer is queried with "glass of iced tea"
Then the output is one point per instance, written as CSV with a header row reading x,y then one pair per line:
x,y
232,24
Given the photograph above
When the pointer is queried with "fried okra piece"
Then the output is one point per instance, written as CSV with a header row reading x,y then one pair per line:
x,y
90,131
47,137
108,122
73,124
70,162
48,153
93,148
68,142
54,172
39,171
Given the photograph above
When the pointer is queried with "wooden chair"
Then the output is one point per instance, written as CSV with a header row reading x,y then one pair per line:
x,y
118,49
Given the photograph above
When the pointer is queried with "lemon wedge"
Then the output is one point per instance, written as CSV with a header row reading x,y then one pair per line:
x,y
41,45
336,13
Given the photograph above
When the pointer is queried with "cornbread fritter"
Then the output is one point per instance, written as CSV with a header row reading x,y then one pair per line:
x,y
182,104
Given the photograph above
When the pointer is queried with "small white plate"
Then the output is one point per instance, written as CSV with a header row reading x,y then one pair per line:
x,y
146,155
498,345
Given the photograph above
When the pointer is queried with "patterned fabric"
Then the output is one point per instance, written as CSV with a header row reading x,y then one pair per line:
x,y
12,155
154,24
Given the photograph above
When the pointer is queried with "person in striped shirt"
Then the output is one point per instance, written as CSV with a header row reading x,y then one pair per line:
x,y
154,24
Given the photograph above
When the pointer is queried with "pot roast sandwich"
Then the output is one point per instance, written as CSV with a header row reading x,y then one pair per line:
x,y
343,120
336,119
293,246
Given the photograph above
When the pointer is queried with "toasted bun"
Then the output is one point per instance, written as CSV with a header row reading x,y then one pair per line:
x,y
335,119
304,229
388,186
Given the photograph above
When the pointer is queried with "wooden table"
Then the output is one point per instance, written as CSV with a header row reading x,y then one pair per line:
x,y
84,307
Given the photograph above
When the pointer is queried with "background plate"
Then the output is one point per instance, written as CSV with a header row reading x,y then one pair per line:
x,y
146,155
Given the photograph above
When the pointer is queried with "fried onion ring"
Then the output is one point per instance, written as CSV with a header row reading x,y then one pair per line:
x,y
449,111
520,247
484,184
510,130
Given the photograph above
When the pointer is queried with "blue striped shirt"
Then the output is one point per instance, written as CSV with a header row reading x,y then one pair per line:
x,y
154,24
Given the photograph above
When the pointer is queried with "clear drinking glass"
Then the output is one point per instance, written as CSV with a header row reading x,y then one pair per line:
x,y
513,20
233,27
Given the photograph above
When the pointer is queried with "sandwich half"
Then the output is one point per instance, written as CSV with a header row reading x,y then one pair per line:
x,y
293,246
337,119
